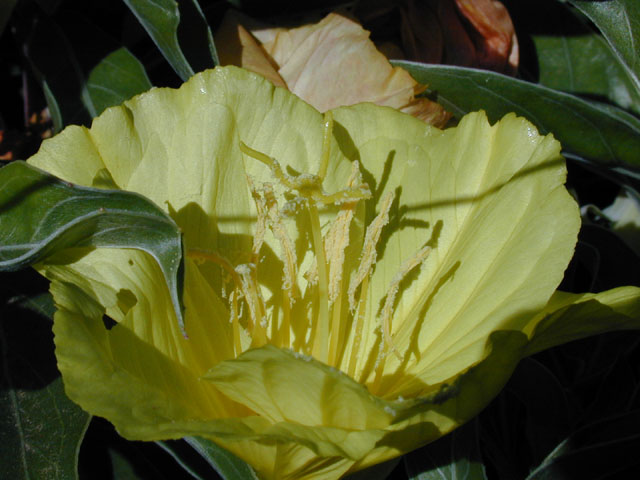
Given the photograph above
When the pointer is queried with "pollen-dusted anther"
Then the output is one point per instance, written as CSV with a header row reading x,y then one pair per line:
x,y
286,244
251,292
387,310
368,257
336,239
261,220
235,321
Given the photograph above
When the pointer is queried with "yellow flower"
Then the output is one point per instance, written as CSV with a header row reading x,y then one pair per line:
x,y
357,284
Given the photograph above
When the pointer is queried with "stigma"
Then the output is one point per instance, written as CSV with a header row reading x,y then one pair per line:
x,y
319,312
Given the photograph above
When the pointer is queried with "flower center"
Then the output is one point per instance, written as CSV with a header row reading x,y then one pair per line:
x,y
324,307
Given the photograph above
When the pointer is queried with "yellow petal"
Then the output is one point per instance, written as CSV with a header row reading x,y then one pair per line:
x,y
479,231
73,142
304,398
570,316
423,420
491,203
132,382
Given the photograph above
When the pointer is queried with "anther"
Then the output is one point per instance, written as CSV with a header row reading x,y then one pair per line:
x,y
387,310
368,257
286,244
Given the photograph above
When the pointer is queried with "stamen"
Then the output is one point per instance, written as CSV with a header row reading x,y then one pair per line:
x,y
337,238
319,349
336,241
361,192
258,235
368,257
326,145
417,259
238,280
285,328
357,328
251,293
204,255
287,246
233,308
287,180
309,185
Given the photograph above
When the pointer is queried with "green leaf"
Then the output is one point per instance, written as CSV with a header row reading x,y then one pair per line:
x,y
585,64
453,457
584,128
177,455
599,450
41,215
40,432
118,77
41,304
187,50
224,462
40,428
122,468
619,22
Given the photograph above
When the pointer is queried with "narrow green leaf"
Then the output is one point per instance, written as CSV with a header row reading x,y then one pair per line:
x,y
41,214
122,468
585,64
41,304
224,462
118,77
187,50
40,428
176,449
619,22
596,451
585,128
453,457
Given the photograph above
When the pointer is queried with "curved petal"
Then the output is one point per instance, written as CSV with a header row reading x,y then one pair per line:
x,y
58,155
490,201
311,57
131,289
282,385
421,421
295,392
570,316
133,384
187,140
288,461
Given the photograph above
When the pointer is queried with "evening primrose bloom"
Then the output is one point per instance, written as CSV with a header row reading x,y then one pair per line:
x,y
357,284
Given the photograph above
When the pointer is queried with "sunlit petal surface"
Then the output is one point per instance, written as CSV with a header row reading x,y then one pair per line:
x,y
357,284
